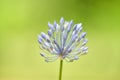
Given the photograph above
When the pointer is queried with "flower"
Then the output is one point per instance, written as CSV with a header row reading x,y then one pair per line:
x,y
65,41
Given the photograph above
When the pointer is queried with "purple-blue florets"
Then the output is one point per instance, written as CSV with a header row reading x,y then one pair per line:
x,y
64,40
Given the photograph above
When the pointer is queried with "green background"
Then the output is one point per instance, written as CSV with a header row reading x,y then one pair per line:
x,y
22,20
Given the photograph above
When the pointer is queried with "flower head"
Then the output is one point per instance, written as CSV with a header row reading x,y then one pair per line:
x,y
65,41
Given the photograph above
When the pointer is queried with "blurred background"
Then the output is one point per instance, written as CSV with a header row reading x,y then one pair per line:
x,y
22,20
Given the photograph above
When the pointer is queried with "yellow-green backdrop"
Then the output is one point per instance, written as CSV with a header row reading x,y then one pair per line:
x,y
22,20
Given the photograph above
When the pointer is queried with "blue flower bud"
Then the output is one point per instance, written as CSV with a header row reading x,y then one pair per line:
x,y
65,36
40,39
46,37
46,44
79,26
55,24
61,24
74,37
62,21
43,35
69,26
75,27
50,33
51,27
82,36
84,42
85,49
43,55
76,58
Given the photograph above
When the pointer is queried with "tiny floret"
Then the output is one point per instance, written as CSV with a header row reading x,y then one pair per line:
x,y
64,40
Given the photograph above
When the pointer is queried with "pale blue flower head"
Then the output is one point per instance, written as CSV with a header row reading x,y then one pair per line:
x,y
64,40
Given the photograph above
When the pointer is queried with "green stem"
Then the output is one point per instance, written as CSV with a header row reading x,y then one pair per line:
x,y
60,71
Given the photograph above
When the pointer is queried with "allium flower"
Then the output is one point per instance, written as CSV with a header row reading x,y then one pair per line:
x,y
65,41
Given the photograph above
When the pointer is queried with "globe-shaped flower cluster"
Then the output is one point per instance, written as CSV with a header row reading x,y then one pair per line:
x,y
64,40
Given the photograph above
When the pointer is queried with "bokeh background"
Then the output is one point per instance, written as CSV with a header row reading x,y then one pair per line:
x,y
22,20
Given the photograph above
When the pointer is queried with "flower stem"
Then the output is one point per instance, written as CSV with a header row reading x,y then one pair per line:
x,y
60,70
